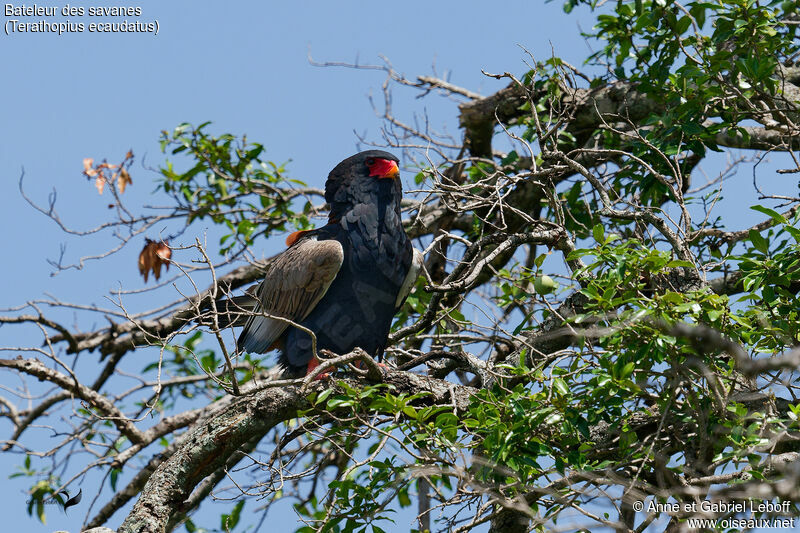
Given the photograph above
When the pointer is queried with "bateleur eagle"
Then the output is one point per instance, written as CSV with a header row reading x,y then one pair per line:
x,y
343,281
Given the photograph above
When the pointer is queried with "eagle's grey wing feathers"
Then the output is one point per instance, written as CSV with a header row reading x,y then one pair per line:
x,y
410,279
293,285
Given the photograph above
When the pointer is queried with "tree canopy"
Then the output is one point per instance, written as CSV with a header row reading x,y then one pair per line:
x,y
595,344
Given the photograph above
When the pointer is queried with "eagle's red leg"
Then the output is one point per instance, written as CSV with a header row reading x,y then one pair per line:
x,y
314,363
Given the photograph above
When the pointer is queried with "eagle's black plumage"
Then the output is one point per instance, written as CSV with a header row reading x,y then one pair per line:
x,y
343,281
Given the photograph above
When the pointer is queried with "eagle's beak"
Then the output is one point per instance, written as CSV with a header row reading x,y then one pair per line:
x,y
384,168
393,171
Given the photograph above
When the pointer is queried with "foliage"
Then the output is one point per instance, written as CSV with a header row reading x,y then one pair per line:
x,y
231,184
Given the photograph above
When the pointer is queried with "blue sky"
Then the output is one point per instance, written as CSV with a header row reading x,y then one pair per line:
x,y
244,66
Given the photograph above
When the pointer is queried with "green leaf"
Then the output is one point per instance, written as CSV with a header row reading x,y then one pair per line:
x,y
777,217
560,386
337,402
115,472
229,521
598,232
675,263
760,243
627,370
794,232
235,515
40,511
322,396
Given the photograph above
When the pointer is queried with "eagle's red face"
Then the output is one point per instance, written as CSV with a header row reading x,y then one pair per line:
x,y
382,168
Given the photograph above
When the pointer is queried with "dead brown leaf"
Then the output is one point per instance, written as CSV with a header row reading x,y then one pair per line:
x,y
123,180
153,255
105,174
